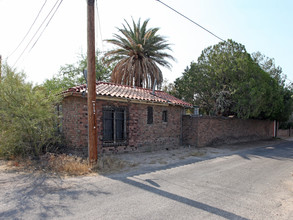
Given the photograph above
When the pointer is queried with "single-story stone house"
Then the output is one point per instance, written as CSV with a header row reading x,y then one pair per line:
x,y
128,118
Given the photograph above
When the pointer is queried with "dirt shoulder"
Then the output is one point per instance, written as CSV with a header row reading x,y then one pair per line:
x,y
117,163
172,156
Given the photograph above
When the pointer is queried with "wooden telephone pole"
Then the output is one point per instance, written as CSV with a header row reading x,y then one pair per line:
x,y
91,79
0,67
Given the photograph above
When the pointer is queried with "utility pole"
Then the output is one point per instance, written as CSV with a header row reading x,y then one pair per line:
x,y
0,67
91,79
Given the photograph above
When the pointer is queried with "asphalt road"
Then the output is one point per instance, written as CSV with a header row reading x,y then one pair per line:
x,y
250,184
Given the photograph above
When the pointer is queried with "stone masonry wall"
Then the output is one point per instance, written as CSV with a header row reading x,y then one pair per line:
x,y
203,131
141,136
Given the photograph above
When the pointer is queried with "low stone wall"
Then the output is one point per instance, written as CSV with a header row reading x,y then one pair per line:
x,y
208,131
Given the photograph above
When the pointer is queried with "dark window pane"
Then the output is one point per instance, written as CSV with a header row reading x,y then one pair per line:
x,y
150,115
119,125
114,126
108,125
164,116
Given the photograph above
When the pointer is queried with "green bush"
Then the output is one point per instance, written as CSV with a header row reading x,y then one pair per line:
x,y
28,120
286,125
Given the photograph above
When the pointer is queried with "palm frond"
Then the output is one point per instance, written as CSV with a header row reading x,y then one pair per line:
x,y
138,53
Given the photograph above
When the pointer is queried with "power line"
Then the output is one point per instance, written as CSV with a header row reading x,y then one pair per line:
x,y
28,30
35,33
37,30
99,23
191,20
46,25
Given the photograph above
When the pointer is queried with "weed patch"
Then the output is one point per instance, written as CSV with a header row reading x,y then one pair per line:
x,y
197,153
65,164
108,164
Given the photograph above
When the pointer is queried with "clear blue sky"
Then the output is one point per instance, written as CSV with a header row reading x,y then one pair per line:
x,y
264,26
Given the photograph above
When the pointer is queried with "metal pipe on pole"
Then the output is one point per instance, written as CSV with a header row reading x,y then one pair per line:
x,y
91,79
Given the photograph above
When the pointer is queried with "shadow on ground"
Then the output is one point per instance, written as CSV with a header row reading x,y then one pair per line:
x,y
279,151
46,197
39,196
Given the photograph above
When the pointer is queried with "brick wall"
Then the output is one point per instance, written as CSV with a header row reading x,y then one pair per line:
x,y
159,134
141,136
284,133
197,131
74,123
203,131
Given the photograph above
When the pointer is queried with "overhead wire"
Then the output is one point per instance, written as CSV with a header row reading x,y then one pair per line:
x,y
39,29
46,25
99,24
190,20
29,29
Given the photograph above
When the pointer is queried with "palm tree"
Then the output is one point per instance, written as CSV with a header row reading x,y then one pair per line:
x,y
137,53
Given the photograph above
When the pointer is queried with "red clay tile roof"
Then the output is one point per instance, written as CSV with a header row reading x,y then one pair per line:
x,y
127,92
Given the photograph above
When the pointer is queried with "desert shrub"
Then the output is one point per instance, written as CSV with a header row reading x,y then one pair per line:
x,y
28,120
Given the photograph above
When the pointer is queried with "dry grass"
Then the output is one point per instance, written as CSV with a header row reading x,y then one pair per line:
x,y
163,162
56,164
50,163
65,165
152,162
108,164
197,153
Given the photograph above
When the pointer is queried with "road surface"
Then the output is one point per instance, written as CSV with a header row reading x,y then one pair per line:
x,y
248,184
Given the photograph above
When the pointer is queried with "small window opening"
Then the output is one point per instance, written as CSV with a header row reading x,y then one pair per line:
x,y
164,116
150,115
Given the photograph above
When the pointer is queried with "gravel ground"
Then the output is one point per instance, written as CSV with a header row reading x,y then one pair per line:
x,y
156,159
